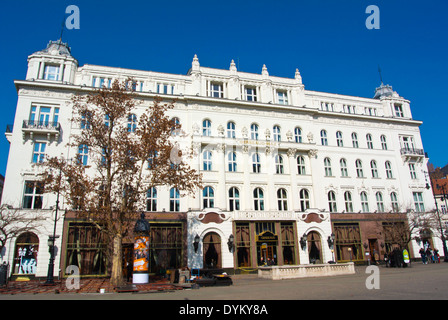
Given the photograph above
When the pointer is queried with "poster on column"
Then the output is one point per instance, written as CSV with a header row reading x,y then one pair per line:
x,y
141,251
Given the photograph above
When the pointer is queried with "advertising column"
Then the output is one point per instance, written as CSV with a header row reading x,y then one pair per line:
x,y
141,251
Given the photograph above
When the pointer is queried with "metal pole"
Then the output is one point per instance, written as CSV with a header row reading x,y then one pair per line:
x,y
50,274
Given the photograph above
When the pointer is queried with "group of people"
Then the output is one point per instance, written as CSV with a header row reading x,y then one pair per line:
x,y
429,255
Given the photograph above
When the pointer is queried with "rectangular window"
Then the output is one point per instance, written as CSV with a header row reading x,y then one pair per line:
x,y
282,97
51,72
216,90
412,171
39,152
32,197
418,202
242,241
251,94
86,248
398,110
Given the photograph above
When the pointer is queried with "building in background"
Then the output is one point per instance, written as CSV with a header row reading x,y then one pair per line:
x,y
290,176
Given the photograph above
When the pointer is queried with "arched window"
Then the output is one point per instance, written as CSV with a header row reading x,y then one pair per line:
x,y
208,197
175,129
256,164
212,251
339,140
332,201
277,133
279,164
343,165
282,200
388,166
369,141
234,199
25,257
359,172
394,202
258,199
298,135
254,131
132,122
364,202
327,167
355,140
206,128
207,160
231,130
174,200
304,198
379,202
383,142
323,138
301,165
374,169
348,201
151,199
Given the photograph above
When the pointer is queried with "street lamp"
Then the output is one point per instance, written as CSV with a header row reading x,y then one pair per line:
x,y
330,241
196,243
303,242
231,243
52,239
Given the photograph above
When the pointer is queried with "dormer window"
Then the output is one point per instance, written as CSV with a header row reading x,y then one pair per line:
x,y
282,97
216,90
51,72
398,110
251,94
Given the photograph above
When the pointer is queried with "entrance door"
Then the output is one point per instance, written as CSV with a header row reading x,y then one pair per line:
x,y
212,251
314,247
267,253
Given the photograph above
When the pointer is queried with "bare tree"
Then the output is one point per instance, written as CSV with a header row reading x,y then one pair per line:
x,y
118,160
14,222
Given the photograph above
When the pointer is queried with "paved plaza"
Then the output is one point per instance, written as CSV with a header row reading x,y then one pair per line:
x,y
418,282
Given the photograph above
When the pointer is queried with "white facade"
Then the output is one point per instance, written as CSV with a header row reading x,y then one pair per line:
x,y
250,132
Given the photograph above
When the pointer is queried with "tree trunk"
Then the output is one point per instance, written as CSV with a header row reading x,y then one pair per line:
x,y
116,277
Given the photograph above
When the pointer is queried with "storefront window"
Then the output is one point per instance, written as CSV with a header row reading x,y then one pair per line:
x,y
86,249
348,242
27,247
242,240
165,247
288,243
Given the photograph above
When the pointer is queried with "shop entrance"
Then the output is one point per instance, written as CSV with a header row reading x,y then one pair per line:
x,y
314,247
267,253
212,251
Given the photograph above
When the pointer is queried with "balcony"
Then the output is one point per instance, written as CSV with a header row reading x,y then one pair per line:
x,y
35,127
8,132
412,154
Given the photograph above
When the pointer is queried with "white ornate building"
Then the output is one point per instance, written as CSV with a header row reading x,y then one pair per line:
x,y
278,161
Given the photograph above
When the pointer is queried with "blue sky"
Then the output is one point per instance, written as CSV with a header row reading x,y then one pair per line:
x,y
326,39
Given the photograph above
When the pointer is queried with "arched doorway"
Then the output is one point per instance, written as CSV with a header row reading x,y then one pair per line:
x,y
314,247
212,251
426,238
25,254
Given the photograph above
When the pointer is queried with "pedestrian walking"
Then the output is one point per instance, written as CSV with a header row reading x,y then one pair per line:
x,y
428,255
423,255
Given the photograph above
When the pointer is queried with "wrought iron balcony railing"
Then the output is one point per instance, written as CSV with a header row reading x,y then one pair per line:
x,y
412,152
41,125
